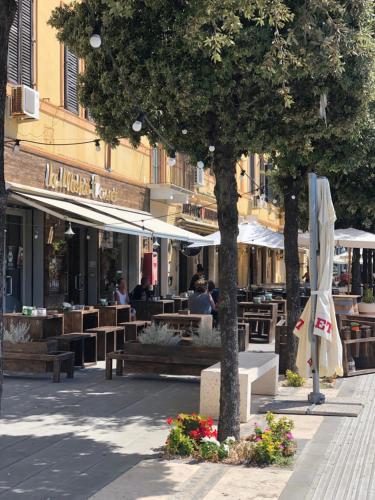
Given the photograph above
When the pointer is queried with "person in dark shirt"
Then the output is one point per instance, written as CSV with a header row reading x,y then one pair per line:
x,y
199,275
142,291
214,292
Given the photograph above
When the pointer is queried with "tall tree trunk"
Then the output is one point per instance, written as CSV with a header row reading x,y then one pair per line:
x,y
356,272
227,196
291,269
370,268
8,9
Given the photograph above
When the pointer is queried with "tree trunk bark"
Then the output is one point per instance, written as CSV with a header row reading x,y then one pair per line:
x,y
292,270
370,268
356,272
8,9
227,197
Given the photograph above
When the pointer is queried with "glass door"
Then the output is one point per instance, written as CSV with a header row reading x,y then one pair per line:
x,y
14,263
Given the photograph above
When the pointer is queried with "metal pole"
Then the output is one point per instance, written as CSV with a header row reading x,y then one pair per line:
x,y
315,397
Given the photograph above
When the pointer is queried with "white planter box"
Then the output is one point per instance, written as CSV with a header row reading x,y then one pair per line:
x,y
366,308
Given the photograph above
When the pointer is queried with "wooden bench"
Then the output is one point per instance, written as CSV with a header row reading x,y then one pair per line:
x,y
133,329
258,373
40,363
107,339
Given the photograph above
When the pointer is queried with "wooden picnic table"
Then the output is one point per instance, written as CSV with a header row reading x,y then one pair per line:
x,y
113,315
146,309
80,320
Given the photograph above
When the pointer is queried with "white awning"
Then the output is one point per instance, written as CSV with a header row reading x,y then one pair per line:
x,y
348,238
99,215
250,233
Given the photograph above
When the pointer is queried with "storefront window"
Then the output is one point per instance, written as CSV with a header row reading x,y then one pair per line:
x,y
113,262
55,263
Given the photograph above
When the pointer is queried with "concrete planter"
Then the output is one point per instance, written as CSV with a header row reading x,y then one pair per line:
x,y
365,308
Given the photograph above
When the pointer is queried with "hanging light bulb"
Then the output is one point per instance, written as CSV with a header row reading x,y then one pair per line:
x,y
211,149
36,235
88,237
16,147
97,145
69,232
274,201
155,244
95,40
172,159
200,164
138,124
293,196
184,131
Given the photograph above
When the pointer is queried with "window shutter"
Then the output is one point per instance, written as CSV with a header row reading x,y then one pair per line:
x,y
70,81
26,42
13,48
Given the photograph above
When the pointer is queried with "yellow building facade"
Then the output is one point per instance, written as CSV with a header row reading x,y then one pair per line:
x,y
53,160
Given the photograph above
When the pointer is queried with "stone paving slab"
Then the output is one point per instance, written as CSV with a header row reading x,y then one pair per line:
x,y
340,408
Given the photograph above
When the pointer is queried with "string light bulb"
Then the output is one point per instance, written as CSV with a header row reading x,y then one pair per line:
x,y
211,149
184,131
95,40
200,164
293,196
97,145
36,235
172,159
138,124
16,147
274,201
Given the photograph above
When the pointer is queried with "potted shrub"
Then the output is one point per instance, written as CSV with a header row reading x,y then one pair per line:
x,y
367,306
17,339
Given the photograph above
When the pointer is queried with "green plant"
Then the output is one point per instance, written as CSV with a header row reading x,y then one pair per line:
x,y
208,337
159,335
293,379
17,333
275,443
178,443
59,246
368,296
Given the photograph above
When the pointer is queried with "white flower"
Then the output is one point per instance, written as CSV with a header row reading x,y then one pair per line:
x,y
226,448
210,440
230,440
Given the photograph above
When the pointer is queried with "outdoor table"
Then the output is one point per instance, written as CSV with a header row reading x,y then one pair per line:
x,y
146,309
107,338
80,320
185,321
40,327
113,315
76,342
262,319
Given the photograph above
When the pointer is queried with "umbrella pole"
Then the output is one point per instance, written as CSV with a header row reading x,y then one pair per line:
x,y
315,397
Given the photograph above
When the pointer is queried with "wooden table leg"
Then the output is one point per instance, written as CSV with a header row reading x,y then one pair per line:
x,y
70,368
56,370
101,345
108,368
119,367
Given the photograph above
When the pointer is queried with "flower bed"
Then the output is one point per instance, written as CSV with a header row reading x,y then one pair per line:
x,y
195,436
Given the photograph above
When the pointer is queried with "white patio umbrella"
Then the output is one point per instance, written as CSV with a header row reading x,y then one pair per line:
x,y
250,233
325,325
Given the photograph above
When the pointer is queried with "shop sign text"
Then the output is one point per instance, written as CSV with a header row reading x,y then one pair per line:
x,y
63,180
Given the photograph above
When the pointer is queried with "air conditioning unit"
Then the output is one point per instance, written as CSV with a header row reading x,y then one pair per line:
x,y
199,176
25,102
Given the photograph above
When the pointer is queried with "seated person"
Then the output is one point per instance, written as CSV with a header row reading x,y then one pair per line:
x,y
201,301
213,291
121,294
142,291
199,275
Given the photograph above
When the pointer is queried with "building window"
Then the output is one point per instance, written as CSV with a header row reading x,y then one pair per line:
x,y
20,50
71,69
156,165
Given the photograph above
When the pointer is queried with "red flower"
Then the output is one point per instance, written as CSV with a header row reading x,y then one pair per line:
x,y
210,422
170,421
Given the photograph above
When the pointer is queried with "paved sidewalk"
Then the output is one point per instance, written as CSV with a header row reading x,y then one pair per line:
x,y
339,462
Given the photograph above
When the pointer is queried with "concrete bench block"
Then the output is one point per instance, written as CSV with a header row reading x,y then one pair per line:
x,y
258,374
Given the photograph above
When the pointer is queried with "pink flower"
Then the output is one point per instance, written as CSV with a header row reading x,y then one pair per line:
x,y
290,436
170,421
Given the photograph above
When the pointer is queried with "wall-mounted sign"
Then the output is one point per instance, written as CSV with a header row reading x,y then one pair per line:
x,y
64,180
